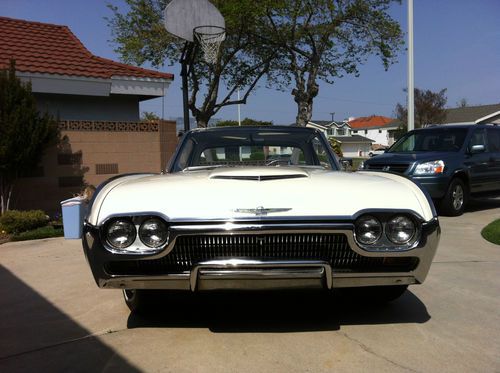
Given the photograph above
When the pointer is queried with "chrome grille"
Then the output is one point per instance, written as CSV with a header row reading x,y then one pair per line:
x,y
329,247
393,167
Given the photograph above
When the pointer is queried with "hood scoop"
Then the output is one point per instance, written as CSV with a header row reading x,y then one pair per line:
x,y
259,174
259,177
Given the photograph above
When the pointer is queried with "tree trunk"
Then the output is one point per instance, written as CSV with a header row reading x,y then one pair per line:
x,y
304,112
202,120
5,195
303,95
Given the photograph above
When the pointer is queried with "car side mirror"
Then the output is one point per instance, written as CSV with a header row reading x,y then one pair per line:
x,y
477,149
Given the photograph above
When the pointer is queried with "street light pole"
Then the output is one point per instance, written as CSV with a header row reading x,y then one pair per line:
x,y
411,82
239,111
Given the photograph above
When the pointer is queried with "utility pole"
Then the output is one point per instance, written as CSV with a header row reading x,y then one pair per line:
x,y
411,82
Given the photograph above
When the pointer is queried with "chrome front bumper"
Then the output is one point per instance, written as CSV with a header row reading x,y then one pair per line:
x,y
257,274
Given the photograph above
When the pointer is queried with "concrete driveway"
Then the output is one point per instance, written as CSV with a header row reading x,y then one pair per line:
x,y
54,318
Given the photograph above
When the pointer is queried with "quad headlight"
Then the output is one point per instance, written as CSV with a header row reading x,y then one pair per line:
x,y
368,230
121,233
153,232
384,232
135,235
400,229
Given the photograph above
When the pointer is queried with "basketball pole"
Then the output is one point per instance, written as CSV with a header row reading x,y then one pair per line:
x,y
185,59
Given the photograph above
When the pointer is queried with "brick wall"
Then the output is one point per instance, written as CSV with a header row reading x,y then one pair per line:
x,y
91,152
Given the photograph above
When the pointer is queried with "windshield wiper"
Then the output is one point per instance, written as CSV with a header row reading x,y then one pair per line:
x,y
206,167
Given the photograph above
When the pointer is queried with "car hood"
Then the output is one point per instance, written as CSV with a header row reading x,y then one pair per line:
x,y
237,193
410,157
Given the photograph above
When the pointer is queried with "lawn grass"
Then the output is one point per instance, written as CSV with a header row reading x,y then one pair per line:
x,y
43,232
492,232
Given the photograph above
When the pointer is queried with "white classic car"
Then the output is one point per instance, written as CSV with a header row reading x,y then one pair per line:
x,y
259,208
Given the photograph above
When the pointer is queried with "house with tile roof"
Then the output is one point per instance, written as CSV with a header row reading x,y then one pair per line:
x,y
376,127
97,102
69,81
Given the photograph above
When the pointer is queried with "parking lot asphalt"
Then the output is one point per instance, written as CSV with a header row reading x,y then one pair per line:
x,y
54,318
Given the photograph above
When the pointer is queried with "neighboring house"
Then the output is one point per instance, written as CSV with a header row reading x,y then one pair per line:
x,y
331,128
378,128
97,103
352,145
482,114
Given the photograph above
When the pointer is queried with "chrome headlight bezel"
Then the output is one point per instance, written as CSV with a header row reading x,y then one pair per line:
x,y
137,246
384,243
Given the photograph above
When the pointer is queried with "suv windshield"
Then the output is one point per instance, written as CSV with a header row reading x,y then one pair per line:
x,y
431,140
252,146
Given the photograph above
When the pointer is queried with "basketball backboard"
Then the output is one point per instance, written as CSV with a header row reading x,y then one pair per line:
x,y
181,17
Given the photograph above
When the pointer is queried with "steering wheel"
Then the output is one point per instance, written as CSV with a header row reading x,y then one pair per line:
x,y
277,162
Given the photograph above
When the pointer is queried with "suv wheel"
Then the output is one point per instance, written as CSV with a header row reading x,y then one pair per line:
x,y
455,199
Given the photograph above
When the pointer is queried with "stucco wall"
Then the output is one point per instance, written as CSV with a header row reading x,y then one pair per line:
x,y
75,107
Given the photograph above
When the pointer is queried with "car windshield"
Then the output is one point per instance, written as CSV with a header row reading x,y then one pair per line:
x,y
252,146
431,140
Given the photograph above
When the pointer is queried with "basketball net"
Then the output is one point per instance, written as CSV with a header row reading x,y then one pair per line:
x,y
210,39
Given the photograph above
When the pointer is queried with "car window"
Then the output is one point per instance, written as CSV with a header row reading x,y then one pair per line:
x,y
433,139
252,146
252,156
494,140
478,138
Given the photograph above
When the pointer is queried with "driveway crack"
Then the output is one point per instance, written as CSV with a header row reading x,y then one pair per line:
x,y
69,341
370,351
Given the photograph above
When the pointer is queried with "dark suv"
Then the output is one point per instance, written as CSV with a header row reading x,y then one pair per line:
x,y
450,162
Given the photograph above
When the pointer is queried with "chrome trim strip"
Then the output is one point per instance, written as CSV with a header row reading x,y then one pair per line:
x,y
182,281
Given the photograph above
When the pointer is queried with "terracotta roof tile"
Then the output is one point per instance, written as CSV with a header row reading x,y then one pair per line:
x,y
371,121
54,49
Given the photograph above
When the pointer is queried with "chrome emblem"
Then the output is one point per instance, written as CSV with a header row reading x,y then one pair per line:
x,y
386,168
261,211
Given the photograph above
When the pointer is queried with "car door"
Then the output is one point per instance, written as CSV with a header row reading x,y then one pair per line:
x,y
478,162
493,134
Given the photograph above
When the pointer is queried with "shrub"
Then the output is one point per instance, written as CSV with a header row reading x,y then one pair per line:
x,y
14,221
36,234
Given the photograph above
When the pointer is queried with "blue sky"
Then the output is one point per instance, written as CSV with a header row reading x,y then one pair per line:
x,y
457,46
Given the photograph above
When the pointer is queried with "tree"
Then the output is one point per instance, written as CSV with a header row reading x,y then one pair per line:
x,y
141,37
336,146
325,40
24,133
429,109
149,116
244,122
462,103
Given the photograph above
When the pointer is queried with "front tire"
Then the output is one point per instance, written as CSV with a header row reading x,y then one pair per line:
x,y
137,300
455,199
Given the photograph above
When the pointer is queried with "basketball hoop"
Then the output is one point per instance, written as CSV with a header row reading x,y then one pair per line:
x,y
210,39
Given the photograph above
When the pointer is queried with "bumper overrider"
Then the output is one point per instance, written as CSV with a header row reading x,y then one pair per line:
x,y
262,254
